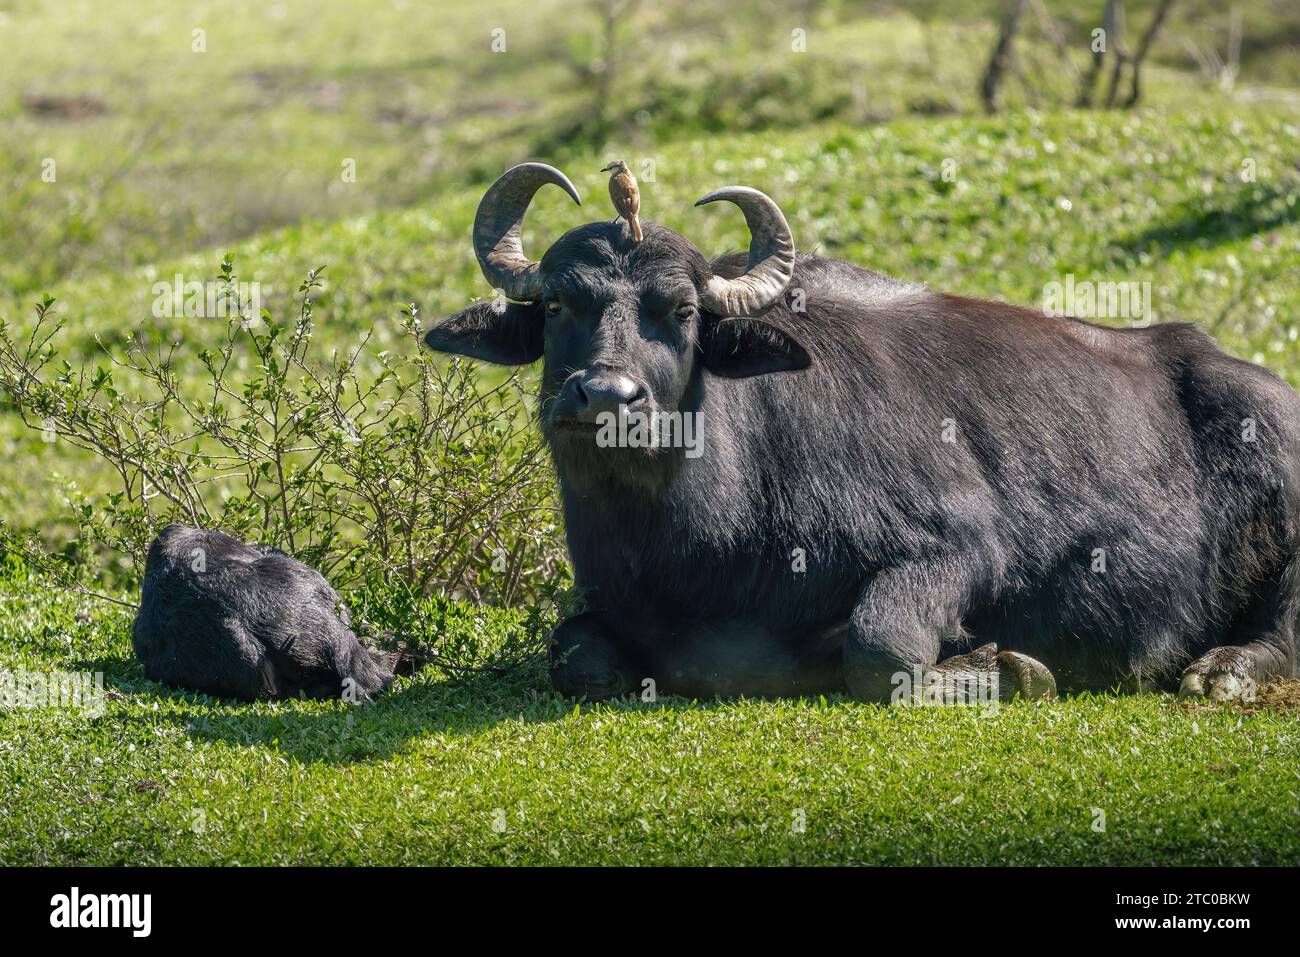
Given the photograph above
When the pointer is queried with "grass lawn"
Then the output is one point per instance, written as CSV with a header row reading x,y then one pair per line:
x,y
502,771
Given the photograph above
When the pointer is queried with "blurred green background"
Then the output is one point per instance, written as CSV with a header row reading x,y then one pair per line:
x,y
161,149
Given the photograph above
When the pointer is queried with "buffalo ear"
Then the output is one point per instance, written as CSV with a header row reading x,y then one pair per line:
x,y
507,333
736,348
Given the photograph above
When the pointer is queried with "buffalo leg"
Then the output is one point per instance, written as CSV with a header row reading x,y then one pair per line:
x,y
1265,646
702,660
584,661
897,631
1233,672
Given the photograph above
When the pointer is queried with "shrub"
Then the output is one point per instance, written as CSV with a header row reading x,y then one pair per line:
x,y
399,469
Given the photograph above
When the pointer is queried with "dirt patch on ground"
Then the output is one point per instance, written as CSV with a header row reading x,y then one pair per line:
x,y
74,108
1280,694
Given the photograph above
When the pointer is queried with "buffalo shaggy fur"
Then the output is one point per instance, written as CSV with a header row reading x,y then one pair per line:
x,y
897,482
243,621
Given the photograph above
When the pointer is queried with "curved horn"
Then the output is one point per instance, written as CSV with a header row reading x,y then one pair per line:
x,y
771,256
498,223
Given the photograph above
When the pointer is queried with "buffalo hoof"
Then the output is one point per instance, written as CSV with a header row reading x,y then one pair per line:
x,y
1020,674
983,676
1224,674
986,673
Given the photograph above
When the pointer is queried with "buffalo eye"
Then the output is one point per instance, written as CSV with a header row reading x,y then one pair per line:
x,y
552,308
684,311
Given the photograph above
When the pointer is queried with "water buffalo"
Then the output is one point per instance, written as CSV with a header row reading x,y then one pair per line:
x,y
243,621
890,483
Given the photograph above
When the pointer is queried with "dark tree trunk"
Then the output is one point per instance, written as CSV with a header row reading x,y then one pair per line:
x,y
1089,83
1002,54
1144,47
1115,40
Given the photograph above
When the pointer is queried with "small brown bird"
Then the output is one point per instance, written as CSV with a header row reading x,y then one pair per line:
x,y
627,198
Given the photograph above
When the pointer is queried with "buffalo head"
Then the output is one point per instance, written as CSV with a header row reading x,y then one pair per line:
x,y
623,327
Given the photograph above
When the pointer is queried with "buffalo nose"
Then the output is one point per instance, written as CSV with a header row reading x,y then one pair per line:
x,y
605,392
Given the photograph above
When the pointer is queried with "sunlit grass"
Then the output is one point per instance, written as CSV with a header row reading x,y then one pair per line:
x,y
500,770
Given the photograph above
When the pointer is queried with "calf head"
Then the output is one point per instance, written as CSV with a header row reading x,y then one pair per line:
x,y
624,328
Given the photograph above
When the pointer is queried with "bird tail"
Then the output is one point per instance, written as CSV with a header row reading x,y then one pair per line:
x,y
635,225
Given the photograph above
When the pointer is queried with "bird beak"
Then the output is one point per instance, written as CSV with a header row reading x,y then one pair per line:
x,y
606,169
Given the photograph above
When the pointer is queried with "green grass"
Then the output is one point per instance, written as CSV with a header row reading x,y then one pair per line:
x,y
501,771
200,147
194,147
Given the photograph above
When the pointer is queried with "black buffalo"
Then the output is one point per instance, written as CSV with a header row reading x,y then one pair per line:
x,y
242,621
893,484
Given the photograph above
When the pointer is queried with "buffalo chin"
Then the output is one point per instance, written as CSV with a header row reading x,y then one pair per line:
x,y
585,466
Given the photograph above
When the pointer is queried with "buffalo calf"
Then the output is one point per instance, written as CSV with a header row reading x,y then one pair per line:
x,y
244,621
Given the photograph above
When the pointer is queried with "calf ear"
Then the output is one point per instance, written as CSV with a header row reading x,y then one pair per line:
x,y
507,333
736,348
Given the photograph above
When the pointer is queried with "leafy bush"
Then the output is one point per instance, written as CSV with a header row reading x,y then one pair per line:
x,y
374,467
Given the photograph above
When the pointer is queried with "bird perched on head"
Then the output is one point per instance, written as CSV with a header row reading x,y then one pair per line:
x,y
627,198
